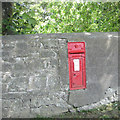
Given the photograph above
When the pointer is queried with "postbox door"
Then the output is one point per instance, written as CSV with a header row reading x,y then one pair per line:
x,y
77,71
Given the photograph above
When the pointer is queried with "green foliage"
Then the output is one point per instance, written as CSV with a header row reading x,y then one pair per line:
x,y
63,17
0,29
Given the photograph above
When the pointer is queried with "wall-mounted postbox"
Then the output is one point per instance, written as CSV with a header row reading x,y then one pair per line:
x,y
76,61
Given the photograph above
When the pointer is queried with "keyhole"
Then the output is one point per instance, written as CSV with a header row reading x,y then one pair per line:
x,y
74,74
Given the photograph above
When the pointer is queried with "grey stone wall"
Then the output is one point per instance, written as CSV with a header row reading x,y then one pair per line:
x,y
35,78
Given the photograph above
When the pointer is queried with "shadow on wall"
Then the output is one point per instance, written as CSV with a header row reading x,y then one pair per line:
x,y
107,62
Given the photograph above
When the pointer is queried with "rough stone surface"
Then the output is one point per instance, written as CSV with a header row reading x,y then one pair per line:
x,y
35,79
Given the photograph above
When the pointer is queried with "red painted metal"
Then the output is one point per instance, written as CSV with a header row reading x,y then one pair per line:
x,y
77,69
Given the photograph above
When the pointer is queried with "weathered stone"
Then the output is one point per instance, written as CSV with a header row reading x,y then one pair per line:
x,y
36,43
5,87
19,69
12,103
92,93
35,74
19,66
21,45
54,63
9,59
0,108
72,110
47,111
63,65
6,67
5,54
13,95
37,102
5,112
22,53
36,83
47,53
91,75
22,112
50,43
8,48
16,113
18,84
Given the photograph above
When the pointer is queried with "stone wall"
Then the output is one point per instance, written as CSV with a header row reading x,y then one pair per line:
x,y
35,79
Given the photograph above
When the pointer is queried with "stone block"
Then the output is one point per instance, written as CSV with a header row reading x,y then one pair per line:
x,y
62,43
19,66
16,113
13,95
36,83
22,113
63,65
12,103
6,103
18,84
6,77
22,53
18,38
19,69
49,99
9,59
5,112
52,82
47,53
15,108
5,54
4,87
45,64
33,65
35,44
54,63
21,45
6,67
50,43
37,102
8,48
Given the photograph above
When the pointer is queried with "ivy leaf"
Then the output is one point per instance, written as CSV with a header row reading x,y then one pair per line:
x,y
25,16
32,21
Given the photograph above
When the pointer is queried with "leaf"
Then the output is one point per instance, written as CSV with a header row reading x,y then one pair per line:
x,y
32,21
25,16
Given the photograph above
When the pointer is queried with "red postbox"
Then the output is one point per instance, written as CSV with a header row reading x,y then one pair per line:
x,y
76,61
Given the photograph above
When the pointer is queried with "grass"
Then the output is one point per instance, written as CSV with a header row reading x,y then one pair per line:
x,y
111,110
